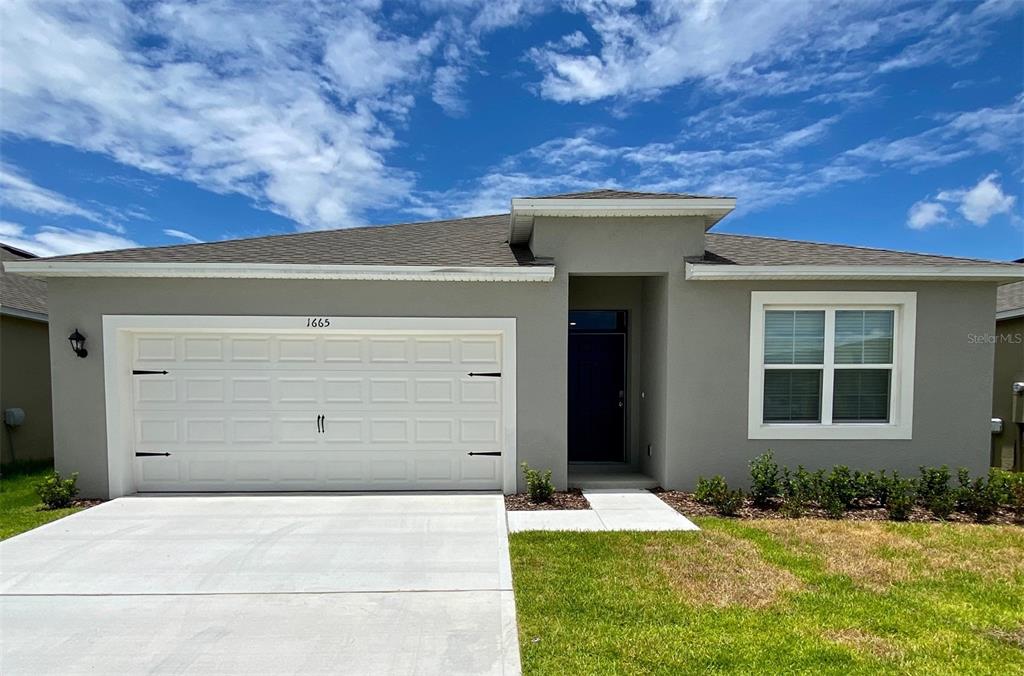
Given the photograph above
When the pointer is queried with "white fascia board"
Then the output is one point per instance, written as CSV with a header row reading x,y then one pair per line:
x,y
979,273
524,209
415,273
24,314
1010,314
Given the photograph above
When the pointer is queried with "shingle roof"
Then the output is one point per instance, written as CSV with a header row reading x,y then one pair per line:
x,y
1010,297
482,242
17,292
750,250
610,193
465,242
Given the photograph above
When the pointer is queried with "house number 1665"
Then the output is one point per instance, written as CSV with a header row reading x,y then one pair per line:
x,y
318,322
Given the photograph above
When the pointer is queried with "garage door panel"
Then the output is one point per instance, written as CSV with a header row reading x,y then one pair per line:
x,y
241,412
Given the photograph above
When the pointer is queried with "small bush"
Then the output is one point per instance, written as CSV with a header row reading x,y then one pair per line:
x,y
797,491
865,486
729,503
982,496
884,486
900,498
764,479
708,490
934,492
836,491
715,492
57,492
538,484
1014,482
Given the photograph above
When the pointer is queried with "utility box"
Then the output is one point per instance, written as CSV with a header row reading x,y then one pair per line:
x,y
14,417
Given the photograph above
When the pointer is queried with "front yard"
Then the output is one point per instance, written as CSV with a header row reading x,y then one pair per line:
x,y
20,507
773,596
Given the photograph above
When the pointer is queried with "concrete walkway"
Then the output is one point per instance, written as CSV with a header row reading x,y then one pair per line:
x,y
611,509
362,584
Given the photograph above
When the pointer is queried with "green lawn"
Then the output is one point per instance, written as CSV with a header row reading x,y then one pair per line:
x,y
20,509
800,596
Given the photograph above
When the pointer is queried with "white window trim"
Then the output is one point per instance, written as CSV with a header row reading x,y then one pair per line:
x,y
900,425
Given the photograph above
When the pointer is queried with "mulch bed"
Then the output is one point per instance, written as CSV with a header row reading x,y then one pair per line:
x,y
685,504
572,499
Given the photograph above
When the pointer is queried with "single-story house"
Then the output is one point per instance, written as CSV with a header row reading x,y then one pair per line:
x,y
1007,401
24,365
606,329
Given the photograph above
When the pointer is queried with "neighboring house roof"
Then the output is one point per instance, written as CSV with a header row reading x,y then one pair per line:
x,y
1010,300
19,295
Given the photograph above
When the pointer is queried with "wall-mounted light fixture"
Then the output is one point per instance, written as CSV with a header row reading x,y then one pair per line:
x,y
77,341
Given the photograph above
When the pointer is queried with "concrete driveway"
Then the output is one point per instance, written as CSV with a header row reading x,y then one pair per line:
x,y
360,584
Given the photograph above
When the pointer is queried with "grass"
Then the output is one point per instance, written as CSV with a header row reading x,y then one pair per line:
x,y
20,508
803,596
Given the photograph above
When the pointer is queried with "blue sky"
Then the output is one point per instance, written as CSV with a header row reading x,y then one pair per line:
x,y
881,123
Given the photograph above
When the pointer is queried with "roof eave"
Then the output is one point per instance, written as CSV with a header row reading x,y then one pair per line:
x,y
24,314
42,269
1010,314
977,273
526,209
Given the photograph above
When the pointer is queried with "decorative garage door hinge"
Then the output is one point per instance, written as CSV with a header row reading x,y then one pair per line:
x,y
140,454
140,372
484,453
495,374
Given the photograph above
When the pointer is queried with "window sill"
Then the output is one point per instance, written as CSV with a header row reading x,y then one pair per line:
x,y
813,431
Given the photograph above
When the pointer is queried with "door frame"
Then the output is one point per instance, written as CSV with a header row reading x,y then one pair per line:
x,y
118,331
625,377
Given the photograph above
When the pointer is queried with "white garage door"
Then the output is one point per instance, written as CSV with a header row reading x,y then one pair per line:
x,y
251,411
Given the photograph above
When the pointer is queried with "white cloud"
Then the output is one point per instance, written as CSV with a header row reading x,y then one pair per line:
x,y
978,204
756,157
750,46
182,235
982,202
19,192
53,241
924,214
230,98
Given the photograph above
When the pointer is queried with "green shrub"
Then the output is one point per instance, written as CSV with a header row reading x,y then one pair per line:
x,y
865,486
538,484
716,493
837,491
900,498
728,502
764,479
1014,482
884,486
57,492
797,491
982,496
708,490
934,492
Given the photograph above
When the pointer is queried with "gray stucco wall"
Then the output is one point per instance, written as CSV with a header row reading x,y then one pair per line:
x,y
25,384
78,396
693,348
708,366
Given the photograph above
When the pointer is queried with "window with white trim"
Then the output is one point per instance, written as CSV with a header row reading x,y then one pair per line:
x,y
831,365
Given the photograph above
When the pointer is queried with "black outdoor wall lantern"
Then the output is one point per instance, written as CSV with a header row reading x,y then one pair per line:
x,y
77,341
